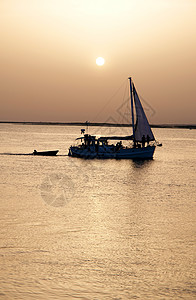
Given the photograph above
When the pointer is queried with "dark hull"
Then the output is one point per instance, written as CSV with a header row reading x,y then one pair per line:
x,y
46,153
130,153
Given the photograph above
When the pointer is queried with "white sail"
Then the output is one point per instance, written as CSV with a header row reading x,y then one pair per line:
x,y
142,127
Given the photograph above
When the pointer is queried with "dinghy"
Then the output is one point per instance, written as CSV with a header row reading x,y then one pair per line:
x,y
46,153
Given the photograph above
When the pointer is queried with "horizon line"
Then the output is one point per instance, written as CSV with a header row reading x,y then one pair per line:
x,y
104,124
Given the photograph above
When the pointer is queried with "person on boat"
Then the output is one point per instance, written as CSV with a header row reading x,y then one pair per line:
x,y
97,146
35,151
135,144
148,140
143,141
118,145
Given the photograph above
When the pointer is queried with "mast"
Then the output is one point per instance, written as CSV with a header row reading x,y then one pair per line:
x,y
131,94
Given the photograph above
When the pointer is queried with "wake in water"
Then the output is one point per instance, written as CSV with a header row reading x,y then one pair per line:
x,y
7,153
16,153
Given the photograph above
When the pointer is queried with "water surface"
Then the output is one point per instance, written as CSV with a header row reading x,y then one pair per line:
x,y
96,229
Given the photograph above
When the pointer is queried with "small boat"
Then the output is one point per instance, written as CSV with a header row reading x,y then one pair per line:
x,y
46,153
142,142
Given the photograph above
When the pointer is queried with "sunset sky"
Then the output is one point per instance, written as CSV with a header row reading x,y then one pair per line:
x,y
48,51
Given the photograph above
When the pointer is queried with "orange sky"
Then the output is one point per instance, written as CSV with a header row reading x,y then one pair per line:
x,y
48,51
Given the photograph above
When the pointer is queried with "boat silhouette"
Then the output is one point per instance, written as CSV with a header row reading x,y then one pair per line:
x,y
142,141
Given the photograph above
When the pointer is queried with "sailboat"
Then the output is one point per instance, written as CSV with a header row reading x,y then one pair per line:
x,y
142,141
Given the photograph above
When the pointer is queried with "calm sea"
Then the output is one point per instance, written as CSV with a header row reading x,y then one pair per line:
x,y
96,229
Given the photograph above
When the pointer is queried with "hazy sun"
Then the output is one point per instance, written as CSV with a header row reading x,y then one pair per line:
x,y
100,61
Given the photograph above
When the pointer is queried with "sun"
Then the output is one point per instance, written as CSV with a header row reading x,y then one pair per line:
x,y
100,61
